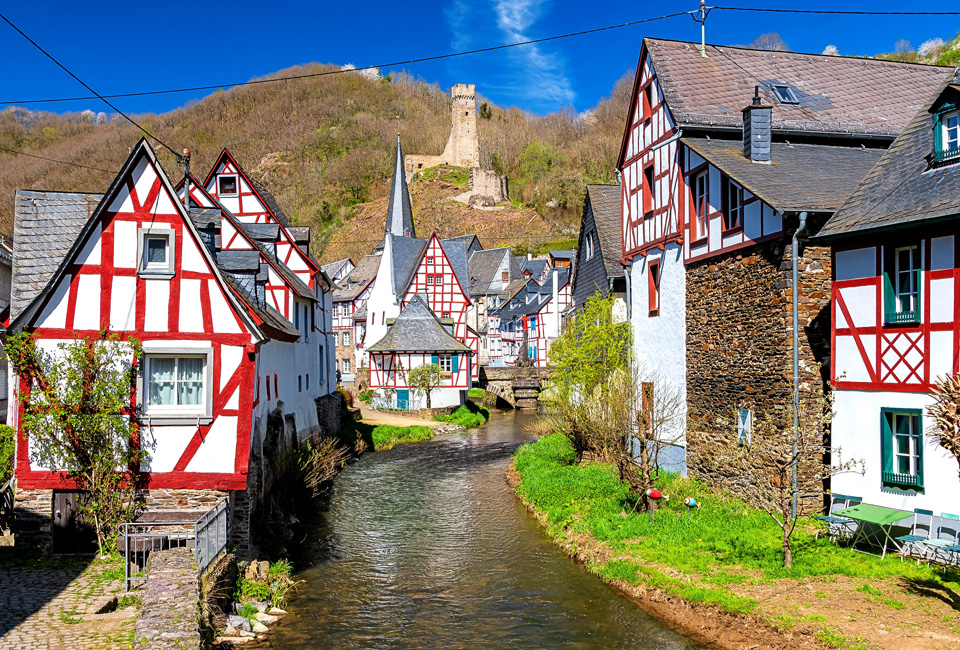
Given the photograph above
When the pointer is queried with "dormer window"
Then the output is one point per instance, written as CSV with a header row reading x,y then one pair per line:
x,y
785,95
227,185
947,136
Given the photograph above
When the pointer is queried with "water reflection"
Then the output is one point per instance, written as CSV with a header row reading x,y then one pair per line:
x,y
425,546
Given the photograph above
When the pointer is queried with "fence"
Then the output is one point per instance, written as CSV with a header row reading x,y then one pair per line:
x,y
395,403
158,531
6,504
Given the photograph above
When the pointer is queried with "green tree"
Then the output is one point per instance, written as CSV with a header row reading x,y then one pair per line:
x,y
945,412
425,378
78,417
486,112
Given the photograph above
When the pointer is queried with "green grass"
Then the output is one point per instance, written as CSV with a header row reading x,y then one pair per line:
x,y
724,542
386,436
468,415
475,392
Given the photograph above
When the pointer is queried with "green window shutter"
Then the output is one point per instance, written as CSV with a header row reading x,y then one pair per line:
x,y
456,363
889,299
920,442
886,441
435,360
937,137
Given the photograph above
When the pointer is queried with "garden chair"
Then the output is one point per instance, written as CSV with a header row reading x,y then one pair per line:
x,y
948,536
839,526
919,532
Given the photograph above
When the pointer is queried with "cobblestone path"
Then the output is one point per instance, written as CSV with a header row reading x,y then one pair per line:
x,y
51,603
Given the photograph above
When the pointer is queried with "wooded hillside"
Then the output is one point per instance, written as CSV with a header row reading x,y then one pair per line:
x,y
324,146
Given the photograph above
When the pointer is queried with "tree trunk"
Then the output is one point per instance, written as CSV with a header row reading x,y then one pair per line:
x,y
787,551
428,397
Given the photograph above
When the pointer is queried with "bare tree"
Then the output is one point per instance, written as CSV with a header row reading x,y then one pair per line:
x,y
945,412
771,42
902,49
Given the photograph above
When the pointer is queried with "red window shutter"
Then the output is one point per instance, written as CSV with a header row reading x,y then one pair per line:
x,y
653,286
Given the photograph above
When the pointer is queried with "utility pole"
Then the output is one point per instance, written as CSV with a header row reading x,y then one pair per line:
x,y
700,16
185,159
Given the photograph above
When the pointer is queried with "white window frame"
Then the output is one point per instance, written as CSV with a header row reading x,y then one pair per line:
x,y
236,180
346,366
912,292
947,129
701,207
430,279
177,414
155,270
346,339
913,441
445,361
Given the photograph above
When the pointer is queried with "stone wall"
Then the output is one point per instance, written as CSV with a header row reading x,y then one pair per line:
x,y
330,414
32,525
739,344
169,617
488,184
463,145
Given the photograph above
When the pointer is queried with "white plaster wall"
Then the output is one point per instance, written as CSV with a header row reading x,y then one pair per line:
x,y
659,343
856,430
288,361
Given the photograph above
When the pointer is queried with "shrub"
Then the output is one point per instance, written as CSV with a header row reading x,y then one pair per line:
x,y
273,588
468,415
7,445
366,396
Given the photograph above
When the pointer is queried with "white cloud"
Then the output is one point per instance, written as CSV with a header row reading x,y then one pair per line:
x,y
458,15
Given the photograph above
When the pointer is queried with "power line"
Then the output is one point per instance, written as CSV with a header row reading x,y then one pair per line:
x,y
843,13
332,72
62,162
81,82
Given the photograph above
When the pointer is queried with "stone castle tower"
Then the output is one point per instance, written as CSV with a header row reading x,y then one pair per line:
x,y
463,145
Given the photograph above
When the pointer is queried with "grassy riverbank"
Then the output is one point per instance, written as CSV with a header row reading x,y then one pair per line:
x,y
726,559
468,415
387,436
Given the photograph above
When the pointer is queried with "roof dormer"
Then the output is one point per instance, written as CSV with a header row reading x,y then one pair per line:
x,y
946,125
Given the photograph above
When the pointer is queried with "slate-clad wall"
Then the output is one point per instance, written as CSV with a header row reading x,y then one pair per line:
x,y
591,274
739,343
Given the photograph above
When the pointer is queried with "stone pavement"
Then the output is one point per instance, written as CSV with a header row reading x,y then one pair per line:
x,y
52,603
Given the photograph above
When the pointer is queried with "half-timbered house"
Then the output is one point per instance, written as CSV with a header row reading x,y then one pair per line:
x,y
415,338
714,185
221,361
349,298
895,317
597,268
338,270
530,321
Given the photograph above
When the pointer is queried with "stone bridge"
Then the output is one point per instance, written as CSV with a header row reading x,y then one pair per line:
x,y
519,387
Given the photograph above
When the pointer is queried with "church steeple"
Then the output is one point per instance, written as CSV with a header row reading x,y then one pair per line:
x,y
399,215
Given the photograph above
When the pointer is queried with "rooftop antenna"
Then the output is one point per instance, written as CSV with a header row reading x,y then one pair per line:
x,y
700,16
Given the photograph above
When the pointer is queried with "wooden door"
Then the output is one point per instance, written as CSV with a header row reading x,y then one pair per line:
x,y
70,535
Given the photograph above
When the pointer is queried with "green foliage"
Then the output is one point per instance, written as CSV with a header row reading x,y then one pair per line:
x,y
725,542
78,418
386,436
425,379
273,588
468,415
475,392
129,600
485,111
247,610
7,450
537,160
366,396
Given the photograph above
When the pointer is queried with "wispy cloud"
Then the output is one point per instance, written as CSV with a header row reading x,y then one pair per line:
x,y
458,14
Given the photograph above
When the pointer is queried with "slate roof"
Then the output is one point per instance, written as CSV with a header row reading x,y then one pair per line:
x,y
456,250
534,266
261,231
333,268
399,214
902,188
269,199
45,226
836,94
272,321
808,177
300,234
605,203
358,280
406,253
298,285
239,261
563,255
482,270
417,329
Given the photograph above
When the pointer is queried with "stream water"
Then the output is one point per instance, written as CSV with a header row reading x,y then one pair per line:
x,y
425,546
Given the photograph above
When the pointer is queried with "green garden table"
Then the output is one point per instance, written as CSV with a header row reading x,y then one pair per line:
x,y
882,518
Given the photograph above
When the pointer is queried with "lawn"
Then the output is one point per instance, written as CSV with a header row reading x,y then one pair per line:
x,y
386,436
727,554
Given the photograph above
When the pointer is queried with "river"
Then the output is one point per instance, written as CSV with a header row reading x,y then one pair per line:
x,y
426,546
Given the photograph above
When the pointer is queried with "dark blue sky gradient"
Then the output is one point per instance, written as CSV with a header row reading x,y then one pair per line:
x,y
142,47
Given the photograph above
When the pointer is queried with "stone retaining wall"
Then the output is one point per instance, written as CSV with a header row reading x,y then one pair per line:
x,y
32,524
739,344
169,617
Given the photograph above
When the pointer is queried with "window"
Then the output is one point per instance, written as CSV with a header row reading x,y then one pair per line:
x,y
346,339
429,279
588,246
445,314
902,280
227,185
744,426
429,260
176,385
156,252
649,191
700,204
947,136
268,389
296,315
445,361
653,285
308,381
346,366
299,383
648,103
785,95
732,205
439,279
901,448
505,277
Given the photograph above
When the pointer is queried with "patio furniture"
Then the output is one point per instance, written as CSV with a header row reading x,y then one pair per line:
x,y
919,532
948,535
880,518
839,526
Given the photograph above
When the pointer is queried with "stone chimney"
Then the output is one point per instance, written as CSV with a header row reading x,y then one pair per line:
x,y
757,120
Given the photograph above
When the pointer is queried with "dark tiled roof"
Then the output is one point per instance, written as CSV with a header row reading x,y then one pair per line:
x,y
482,270
406,254
271,202
271,318
235,261
45,227
417,329
333,268
605,202
902,188
458,256
563,255
354,284
399,215
808,177
836,94
262,231
205,217
300,234
534,266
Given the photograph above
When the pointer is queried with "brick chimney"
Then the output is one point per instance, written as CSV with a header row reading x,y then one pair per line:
x,y
757,120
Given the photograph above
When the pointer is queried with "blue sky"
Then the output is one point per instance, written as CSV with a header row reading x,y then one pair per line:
x,y
143,47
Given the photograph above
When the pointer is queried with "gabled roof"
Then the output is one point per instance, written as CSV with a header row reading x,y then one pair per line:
x,y
836,94
266,198
482,269
333,268
399,214
75,244
45,226
359,279
605,203
406,254
417,329
535,267
797,178
903,188
562,255
268,319
457,251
